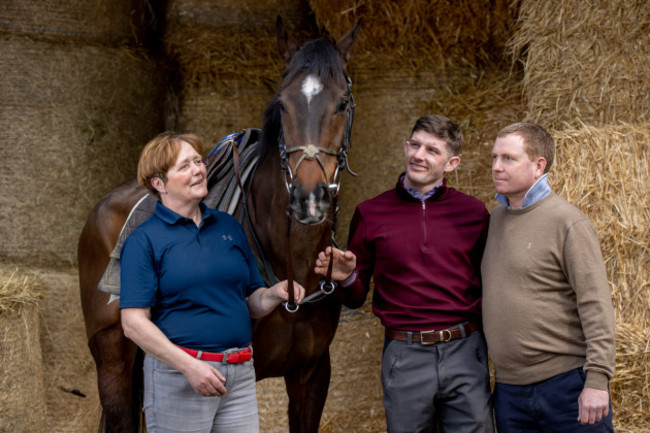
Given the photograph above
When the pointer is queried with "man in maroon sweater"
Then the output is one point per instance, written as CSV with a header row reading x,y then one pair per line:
x,y
422,242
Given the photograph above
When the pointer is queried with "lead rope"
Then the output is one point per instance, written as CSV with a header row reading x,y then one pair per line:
x,y
328,285
290,305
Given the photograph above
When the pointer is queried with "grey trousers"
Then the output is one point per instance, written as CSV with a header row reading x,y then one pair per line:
x,y
444,383
172,405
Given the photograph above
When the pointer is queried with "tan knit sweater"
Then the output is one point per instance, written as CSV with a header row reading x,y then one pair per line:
x,y
547,306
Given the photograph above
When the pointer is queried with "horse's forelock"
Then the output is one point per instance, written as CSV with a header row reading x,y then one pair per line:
x,y
319,58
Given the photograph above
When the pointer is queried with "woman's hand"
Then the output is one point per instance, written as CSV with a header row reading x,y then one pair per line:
x,y
281,291
205,379
264,300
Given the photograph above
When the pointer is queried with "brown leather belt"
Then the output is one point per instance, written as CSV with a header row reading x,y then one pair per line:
x,y
433,336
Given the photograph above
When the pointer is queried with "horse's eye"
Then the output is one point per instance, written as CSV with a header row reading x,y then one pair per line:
x,y
343,104
281,106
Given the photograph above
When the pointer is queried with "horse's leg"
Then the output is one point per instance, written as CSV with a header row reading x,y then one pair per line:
x,y
114,358
307,388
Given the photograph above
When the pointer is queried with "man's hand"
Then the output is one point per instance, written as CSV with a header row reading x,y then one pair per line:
x,y
344,263
593,405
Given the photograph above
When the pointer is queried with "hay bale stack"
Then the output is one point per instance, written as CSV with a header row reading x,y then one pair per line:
x,y
117,22
226,60
630,386
75,115
422,34
70,380
22,397
585,61
604,172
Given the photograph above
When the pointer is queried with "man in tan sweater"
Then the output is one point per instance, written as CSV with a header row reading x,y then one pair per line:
x,y
547,309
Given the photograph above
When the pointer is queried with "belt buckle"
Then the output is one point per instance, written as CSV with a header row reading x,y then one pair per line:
x,y
443,338
423,333
226,356
234,356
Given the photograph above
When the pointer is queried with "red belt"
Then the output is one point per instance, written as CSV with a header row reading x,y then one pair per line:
x,y
232,358
433,336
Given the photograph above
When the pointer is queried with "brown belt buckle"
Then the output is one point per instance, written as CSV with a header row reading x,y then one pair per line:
x,y
441,335
423,333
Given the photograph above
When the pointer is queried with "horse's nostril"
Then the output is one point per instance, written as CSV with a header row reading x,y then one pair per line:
x,y
324,192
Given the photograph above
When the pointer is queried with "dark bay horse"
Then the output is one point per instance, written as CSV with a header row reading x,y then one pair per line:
x,y
303,149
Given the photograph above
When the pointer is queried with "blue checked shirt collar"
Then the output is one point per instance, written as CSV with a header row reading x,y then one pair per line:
x,y
416,194
538,191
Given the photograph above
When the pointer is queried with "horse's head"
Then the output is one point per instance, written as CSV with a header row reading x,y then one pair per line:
x,y
316,107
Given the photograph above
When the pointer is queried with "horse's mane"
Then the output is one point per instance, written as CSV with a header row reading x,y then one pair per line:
x,y
317,57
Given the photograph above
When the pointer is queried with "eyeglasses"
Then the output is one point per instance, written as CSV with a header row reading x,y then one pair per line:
x,y
185,165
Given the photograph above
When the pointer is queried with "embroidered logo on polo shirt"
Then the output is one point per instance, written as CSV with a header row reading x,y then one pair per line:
x,y
226,237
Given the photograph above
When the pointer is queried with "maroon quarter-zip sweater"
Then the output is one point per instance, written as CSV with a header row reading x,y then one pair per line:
x,y
425,257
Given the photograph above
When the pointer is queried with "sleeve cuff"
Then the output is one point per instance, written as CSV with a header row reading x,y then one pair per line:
x,y
349,280
597,380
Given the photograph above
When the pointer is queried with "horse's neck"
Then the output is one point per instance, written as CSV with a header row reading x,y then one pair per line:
x,y
269,199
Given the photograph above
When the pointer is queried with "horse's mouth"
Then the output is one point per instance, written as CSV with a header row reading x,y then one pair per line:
x,y
309,208
310,212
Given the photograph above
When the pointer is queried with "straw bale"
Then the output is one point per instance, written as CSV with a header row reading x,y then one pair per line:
x,y
212,41
388,104
22,403
630,386
70,380
585,61
215,113
74,119
105,21
604,172
422,33
272,404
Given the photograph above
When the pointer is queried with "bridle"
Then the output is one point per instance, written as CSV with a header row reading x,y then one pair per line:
x,y
311,152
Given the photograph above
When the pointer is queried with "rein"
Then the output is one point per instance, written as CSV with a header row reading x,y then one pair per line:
x,y
311,152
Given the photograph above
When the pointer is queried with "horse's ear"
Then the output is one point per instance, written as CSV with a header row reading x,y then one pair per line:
x,y
345,45
286,45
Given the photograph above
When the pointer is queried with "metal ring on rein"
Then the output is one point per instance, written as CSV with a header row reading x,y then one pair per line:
x,y
325,289
331,285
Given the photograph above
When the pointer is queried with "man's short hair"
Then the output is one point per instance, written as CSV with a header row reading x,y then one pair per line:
x,y
537,141
443,128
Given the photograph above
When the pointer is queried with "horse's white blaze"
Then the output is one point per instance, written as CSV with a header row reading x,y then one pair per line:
x,y
312,205
311,87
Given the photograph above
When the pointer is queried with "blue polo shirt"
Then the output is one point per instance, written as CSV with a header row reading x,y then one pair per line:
x,y
194,279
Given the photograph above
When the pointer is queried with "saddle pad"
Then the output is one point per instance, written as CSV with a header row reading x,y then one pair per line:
x,y
224,194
